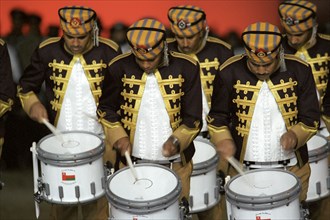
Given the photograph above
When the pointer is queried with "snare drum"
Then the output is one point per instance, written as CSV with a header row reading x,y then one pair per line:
x,y
263,194
154,195
204,185
318,187
72,169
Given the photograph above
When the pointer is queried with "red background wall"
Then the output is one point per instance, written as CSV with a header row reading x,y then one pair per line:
x,y
222,15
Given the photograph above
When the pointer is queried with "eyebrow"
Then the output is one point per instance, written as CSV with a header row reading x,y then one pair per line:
x,y
80,36
260,65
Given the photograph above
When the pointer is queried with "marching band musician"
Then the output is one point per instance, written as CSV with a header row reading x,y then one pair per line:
x,y
189,26
73,68
7,89
299,21
151,103
264,107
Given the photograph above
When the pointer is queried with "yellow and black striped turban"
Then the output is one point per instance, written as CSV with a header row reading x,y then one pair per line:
x,y
186,20
146,37
297,16
77,20
262,41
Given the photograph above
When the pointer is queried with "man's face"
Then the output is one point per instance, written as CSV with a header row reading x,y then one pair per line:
x,y
150,65
299,39
77,44
263,70
190,44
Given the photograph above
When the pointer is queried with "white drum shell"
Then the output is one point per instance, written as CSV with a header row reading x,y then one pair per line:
x,y
204,185
67,180
278,198
129,201
318,160
86,175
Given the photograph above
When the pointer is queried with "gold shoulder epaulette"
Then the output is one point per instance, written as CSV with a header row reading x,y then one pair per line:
x,y
2,42
170,40
324,36
120,56
184,56
293,57
219,41
109,42
231,60
49,41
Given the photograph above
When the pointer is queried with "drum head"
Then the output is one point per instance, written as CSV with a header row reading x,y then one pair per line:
x,y
204,151
259,189
73,145
270,182
316,142
153,182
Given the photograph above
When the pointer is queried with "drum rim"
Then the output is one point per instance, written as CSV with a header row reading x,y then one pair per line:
x,y
208,165
68,160
318,153
147,206
53,201
263,202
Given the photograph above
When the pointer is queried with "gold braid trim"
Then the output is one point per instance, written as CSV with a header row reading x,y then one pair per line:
x,y
49,41
288,114
320,74
185,135
5,106
219,41
219,133
113,131
27,99
109,42
326,120
303,133
324,36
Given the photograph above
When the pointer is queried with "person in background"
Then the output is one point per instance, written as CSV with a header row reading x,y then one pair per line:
x,y
73,67
7,89
151,103
118,35
31,39
191,36
299,21
18,19
264,107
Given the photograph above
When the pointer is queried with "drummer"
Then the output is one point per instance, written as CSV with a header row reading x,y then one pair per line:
x,y
191,36
72,67
152,103
264,106
299,21
7,89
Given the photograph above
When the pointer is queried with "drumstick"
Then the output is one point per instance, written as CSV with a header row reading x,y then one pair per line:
x,y
129,161
56,132
235,163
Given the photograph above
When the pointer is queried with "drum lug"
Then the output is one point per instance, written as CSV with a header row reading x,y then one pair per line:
x,y
109,169
304,211
221,181
37,195
184,209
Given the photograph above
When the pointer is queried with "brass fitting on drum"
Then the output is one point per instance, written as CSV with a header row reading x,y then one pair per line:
x,y
184,209
37,195
221,181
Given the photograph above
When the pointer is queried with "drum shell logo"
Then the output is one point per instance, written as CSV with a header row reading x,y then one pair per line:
x,y
68,176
